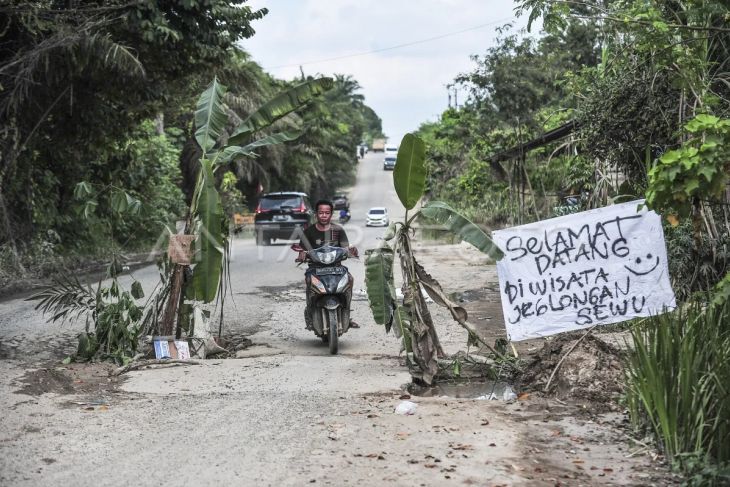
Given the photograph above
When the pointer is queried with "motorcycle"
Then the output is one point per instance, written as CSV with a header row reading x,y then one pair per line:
x,y
344,217
328,300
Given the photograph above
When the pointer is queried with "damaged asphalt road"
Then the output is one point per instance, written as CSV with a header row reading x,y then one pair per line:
x,y
286,412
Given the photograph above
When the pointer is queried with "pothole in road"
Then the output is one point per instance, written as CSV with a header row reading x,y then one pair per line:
x,y
487,390
288,292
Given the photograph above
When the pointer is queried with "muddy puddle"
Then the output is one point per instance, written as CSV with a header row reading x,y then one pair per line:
x,y
484,391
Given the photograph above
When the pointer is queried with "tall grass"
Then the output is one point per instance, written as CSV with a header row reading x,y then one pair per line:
x,y
678,376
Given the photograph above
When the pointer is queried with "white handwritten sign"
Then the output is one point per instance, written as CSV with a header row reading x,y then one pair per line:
x,y
592,268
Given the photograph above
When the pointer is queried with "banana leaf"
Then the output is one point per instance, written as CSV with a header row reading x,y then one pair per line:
x,y
453,221
119,201
409,175
279,107
390,232
232,151
379,284
210,117
402,328
209,244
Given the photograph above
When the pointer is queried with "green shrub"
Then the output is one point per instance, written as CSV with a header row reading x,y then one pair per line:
x,y
696,262
678,376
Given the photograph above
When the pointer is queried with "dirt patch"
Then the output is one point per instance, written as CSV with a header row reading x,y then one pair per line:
x,y
91,379
289,292
57,346
235,341
592,371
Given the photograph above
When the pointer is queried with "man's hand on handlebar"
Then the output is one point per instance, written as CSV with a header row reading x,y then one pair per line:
x,y
353,251
302,255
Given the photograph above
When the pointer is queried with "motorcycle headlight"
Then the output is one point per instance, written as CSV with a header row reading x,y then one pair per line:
x,y
327,257
342,285
318,285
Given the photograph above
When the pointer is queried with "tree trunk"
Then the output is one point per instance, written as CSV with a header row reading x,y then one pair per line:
x,y
167,326
160,123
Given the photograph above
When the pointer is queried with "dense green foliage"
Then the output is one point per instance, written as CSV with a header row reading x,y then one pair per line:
x,y
698,170
102,93
80,78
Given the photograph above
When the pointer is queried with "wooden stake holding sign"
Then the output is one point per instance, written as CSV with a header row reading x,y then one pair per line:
x,y
180,251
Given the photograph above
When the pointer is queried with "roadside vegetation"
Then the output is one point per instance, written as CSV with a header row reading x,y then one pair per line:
x,y
615,101
102,96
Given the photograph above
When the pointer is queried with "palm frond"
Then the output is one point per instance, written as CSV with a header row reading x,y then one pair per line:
x,y
112,55
65,299
59,57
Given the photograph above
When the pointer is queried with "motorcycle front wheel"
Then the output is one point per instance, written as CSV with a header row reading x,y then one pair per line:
x,y
333,331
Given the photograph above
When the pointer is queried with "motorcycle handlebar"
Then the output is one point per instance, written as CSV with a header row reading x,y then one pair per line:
x,y
352,253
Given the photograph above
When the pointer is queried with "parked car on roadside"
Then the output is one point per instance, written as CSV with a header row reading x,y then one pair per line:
x,y
377,216
282,215
389,163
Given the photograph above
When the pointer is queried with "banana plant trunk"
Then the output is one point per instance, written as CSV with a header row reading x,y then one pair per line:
x,y
425,342
173,301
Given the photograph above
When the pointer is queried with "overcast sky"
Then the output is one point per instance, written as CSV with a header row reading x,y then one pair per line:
x,y
406,85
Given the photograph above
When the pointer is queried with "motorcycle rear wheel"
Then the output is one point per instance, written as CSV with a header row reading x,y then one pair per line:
x,y
333,331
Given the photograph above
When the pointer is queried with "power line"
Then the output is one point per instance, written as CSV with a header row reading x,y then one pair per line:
x,y
398,46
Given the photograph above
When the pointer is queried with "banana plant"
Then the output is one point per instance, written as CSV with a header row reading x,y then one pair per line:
x,y
206,219
410,319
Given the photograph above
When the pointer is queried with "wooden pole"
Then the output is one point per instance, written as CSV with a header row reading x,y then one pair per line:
x,y
168,318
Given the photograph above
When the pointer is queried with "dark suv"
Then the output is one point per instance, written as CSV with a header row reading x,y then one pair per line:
x,y
340,201
281,215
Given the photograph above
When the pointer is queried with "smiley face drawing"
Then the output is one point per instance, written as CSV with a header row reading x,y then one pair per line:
x,y
642,270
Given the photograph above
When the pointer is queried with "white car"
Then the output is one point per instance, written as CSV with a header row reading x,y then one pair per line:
x,y
377,216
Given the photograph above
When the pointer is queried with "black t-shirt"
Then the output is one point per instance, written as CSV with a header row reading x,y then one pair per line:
x,y
313,238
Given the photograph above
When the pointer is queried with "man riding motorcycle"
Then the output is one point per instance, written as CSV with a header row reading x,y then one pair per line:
x,y
322,233
344,215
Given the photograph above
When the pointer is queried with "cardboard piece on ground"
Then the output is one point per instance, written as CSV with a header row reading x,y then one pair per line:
x,y
162,349
183,350
171,349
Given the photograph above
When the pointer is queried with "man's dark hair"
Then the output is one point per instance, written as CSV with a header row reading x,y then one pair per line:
x,y
324,202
